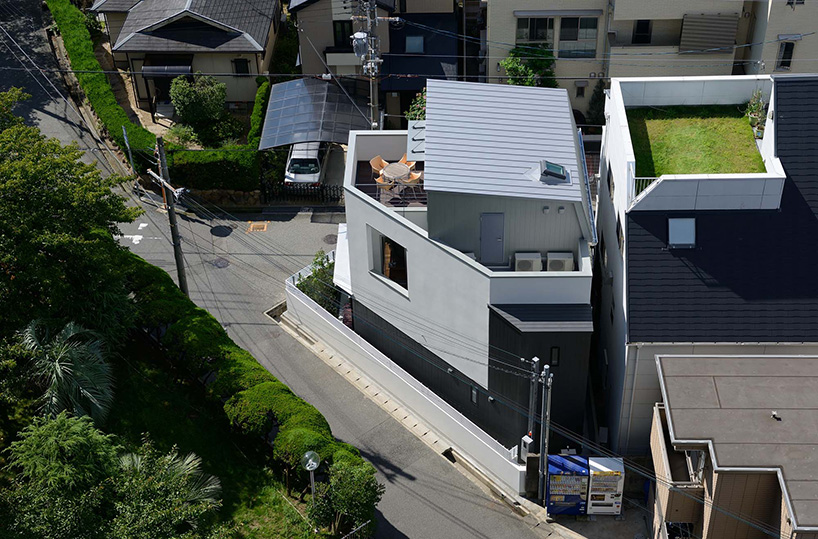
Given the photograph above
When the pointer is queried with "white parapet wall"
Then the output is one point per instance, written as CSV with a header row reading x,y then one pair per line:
x,y
466,438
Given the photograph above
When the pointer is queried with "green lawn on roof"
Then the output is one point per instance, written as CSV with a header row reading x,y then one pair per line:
x,y
712,139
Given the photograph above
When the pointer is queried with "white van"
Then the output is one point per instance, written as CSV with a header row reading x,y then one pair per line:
x,y
306,163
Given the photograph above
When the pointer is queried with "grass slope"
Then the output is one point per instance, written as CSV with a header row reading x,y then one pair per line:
x,y
176,412
711,139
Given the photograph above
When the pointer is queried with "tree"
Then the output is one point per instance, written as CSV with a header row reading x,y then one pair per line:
x,y
530,66
8,100
351,497
596,105
163,495
200,101
58,219
18,397
62,489
417,109
318,284
70,365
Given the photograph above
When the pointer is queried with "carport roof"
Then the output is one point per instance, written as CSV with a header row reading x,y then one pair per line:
x,y
311,110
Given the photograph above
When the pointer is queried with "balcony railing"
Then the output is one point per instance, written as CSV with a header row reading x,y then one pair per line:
x,y
642,183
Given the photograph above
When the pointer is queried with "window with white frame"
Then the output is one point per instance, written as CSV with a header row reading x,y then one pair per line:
x,y
578,37
681,233
785,50
535,30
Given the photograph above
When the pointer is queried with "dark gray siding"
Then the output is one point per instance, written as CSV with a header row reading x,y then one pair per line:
x,y
570,376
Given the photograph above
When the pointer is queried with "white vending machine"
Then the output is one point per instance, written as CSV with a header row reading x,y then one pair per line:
x,y
606,482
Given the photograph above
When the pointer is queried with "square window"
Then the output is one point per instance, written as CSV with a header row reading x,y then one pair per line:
x,y
342,34
474,395
681,233
555,356
388,259
580,91
641,32
414,44
241,66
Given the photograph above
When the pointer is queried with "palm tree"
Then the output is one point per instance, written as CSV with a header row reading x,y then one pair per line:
x,y
195,486
70,365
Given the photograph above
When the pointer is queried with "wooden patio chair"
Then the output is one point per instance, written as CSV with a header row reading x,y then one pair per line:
x,y
412,183
410,164
377,163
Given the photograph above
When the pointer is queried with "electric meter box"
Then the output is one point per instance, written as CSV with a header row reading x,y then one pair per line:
x,y
605,485
567,485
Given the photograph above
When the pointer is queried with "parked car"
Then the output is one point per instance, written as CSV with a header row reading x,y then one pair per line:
x,y
307,163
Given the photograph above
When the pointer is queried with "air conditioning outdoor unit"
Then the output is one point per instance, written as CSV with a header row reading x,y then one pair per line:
x,y
527,262
560,261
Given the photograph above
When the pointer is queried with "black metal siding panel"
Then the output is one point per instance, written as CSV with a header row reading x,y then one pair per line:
x,y
547,317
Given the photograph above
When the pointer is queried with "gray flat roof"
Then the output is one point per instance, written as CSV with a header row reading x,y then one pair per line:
x,y
727,402
485,139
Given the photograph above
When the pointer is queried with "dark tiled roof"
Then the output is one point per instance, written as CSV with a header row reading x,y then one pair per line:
x,y
433,62
753,276
547,317
297,5
247,21
113,6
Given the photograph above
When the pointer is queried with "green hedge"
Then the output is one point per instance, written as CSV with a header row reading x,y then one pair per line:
x,y
253,398
231,167
80,48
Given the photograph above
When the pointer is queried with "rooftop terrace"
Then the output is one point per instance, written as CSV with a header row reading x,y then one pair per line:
x,y
711,139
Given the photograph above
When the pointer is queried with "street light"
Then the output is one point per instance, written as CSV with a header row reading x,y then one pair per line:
x,y
310,462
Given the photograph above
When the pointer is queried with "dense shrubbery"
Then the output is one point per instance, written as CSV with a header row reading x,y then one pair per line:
x,y
318,284
78,43
231,167
254,401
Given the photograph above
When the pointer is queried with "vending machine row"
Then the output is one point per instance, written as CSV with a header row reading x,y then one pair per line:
x,y
579,485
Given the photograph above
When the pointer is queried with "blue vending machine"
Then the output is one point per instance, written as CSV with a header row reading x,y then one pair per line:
x,y
567,485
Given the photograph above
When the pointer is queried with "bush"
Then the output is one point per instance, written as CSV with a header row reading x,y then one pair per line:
x,y
318,284
259,110
80,48
217,132
216,169
198,102
181,134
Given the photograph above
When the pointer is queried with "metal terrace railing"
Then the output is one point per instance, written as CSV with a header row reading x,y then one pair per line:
x,y
640,184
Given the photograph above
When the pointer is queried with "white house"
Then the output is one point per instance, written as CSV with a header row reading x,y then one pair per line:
x,y
464,280
699,263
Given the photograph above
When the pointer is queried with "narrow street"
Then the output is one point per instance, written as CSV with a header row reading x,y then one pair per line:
x,y
237,275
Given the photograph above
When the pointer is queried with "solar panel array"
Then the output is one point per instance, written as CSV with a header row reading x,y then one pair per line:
x,y
311,110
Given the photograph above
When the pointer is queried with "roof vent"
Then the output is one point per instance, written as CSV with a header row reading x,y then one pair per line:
x,y
552,173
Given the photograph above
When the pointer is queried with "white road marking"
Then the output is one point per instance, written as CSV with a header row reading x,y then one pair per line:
x,y
136,238
142,225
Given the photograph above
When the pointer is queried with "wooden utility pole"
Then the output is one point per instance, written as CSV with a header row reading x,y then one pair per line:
x,y
170,197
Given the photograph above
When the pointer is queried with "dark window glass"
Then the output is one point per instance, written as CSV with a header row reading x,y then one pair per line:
x,y
241,66
580,91
343,31
394,262
569,28
555,356
473,395
785,51
578,37
641,32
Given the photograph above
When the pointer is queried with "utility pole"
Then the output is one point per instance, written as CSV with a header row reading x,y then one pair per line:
x,y
170,196
366,45
547,379
532,395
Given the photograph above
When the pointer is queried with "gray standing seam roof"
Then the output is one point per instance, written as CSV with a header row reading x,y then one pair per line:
x,y
237,26
310,110
113,6
728,401
484,138
752,275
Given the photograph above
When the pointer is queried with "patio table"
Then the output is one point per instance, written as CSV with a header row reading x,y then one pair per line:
x,y
396,171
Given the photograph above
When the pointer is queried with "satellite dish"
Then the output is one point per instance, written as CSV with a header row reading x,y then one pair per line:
x,y
310,461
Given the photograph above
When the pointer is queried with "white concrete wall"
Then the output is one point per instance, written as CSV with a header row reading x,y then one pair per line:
x,y
698,90
488,454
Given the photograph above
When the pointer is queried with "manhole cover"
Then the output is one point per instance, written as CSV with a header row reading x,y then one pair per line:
x,y
257,227
331,239
221,231
220,263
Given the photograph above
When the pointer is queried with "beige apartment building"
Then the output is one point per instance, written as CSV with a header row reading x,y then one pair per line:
x,y
735,448
594,39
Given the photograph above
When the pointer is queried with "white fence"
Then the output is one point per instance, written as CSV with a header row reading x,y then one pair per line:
x,y
488,454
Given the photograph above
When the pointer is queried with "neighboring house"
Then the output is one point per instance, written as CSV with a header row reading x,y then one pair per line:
x,y
424,46
735,447
595,39
463,280
701,263
159,39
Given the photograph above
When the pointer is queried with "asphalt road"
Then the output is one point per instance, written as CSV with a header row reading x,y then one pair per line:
x,y
237,274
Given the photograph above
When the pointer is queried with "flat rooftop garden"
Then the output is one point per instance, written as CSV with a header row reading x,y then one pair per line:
x,y
712,139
